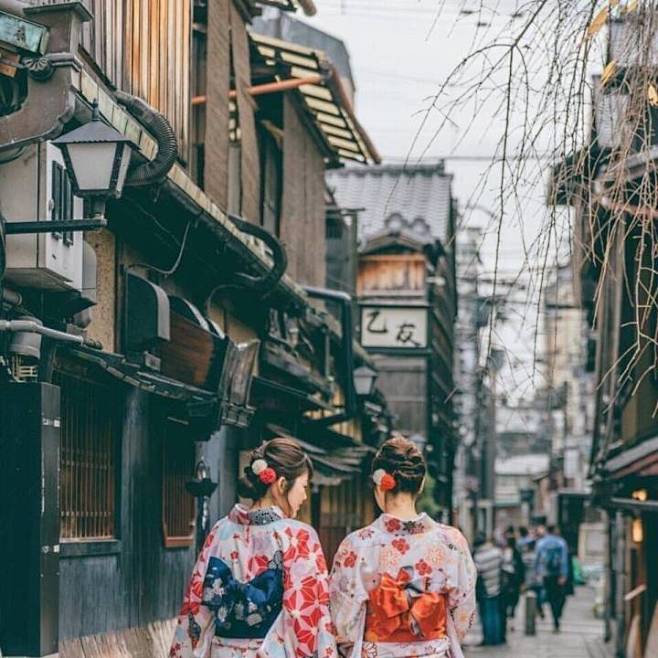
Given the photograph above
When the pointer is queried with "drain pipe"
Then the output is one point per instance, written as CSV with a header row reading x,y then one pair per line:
x,y
34,327
11,297
345,302
266,283
156,170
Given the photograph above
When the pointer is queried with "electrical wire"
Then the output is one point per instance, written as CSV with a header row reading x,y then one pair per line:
x,y
178,260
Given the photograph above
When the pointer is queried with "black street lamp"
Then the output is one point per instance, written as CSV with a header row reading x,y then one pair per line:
x,y
97,158
202,487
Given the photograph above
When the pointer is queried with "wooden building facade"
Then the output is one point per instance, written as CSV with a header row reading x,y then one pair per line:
x,y
615,262
188,333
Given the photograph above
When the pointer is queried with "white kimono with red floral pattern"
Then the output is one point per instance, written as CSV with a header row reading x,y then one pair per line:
x,y
259,590
403,588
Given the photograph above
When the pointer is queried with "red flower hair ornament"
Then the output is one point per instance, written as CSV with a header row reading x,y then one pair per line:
x,y
385,481
266,474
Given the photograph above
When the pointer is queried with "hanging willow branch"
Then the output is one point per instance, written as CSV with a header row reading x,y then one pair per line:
x,y
576,85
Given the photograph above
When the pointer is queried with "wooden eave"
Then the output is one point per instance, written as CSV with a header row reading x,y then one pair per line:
x,y
325,102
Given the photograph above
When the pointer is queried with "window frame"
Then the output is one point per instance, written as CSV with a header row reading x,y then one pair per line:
x,y
176,540
94,545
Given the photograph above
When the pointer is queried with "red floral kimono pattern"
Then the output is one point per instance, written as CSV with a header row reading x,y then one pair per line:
x,y
250,543
403,588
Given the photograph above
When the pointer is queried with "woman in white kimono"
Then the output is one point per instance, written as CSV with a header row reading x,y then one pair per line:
x,y
260,586
404,585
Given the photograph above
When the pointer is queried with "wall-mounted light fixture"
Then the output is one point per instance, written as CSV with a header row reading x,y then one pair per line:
x,y
364,381
637,531
97,158
201,487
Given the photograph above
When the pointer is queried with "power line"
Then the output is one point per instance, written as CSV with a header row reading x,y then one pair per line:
x,y
474,158
350,7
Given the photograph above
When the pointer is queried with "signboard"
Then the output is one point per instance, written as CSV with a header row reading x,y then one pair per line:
x,y
23,34
394,326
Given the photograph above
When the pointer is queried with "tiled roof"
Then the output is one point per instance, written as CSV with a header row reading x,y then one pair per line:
x,y
414,198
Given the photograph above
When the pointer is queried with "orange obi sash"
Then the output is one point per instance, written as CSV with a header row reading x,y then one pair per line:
x,y
402,610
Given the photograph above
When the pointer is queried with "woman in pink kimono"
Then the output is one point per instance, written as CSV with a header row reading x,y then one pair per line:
x,y
260,586
404,585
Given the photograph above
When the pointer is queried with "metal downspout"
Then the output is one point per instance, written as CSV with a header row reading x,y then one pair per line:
x,y
345,302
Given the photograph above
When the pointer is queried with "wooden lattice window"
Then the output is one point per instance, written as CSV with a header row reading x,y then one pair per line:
x,y
178,506
88,458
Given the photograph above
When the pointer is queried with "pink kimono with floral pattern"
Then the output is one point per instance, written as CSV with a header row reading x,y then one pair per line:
x,y
259,590
403,588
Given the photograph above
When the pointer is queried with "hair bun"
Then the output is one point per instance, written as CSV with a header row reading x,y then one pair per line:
x,y
284,456
403,460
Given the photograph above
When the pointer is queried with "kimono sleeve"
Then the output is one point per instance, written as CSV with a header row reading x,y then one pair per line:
x,y
348,597
195,626
461,591
304,628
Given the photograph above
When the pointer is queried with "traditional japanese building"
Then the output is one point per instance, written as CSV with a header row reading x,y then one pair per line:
x,y
609,186
407,299
140,361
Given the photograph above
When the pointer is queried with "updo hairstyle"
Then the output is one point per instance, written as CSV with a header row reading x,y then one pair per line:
x,y
402,459
285,456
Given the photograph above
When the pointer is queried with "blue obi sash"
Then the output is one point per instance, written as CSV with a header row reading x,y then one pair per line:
x,y
243,610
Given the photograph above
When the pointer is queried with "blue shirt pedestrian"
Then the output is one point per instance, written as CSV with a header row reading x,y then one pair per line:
x,y
552,557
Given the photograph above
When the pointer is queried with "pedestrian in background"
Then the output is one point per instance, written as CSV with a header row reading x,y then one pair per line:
x,y
488,560
513,578
528,550
552,570
524,538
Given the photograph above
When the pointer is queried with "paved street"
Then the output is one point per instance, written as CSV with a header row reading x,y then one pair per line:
x,y
580,637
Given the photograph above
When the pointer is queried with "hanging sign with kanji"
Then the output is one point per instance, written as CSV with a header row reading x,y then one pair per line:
x,y
394,326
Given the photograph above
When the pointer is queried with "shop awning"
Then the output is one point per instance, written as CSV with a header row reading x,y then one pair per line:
x,y
332,466
263,388
199,407
325,100
131,373
640,460
317,433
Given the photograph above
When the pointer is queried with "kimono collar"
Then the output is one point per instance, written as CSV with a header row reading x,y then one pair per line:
x,y
395,526
245,516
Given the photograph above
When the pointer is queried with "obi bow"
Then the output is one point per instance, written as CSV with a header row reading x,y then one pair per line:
x,y
402,609
243,609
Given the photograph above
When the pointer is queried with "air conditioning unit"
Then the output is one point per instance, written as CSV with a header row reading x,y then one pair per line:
x,y
36,186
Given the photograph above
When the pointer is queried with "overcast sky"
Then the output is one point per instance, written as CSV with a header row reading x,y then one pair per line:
x,y
401,52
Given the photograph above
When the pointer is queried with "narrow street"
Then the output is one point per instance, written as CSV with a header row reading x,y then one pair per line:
x,y
581,635
291,291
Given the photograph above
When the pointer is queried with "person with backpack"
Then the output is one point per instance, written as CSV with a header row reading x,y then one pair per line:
x,y
552,569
